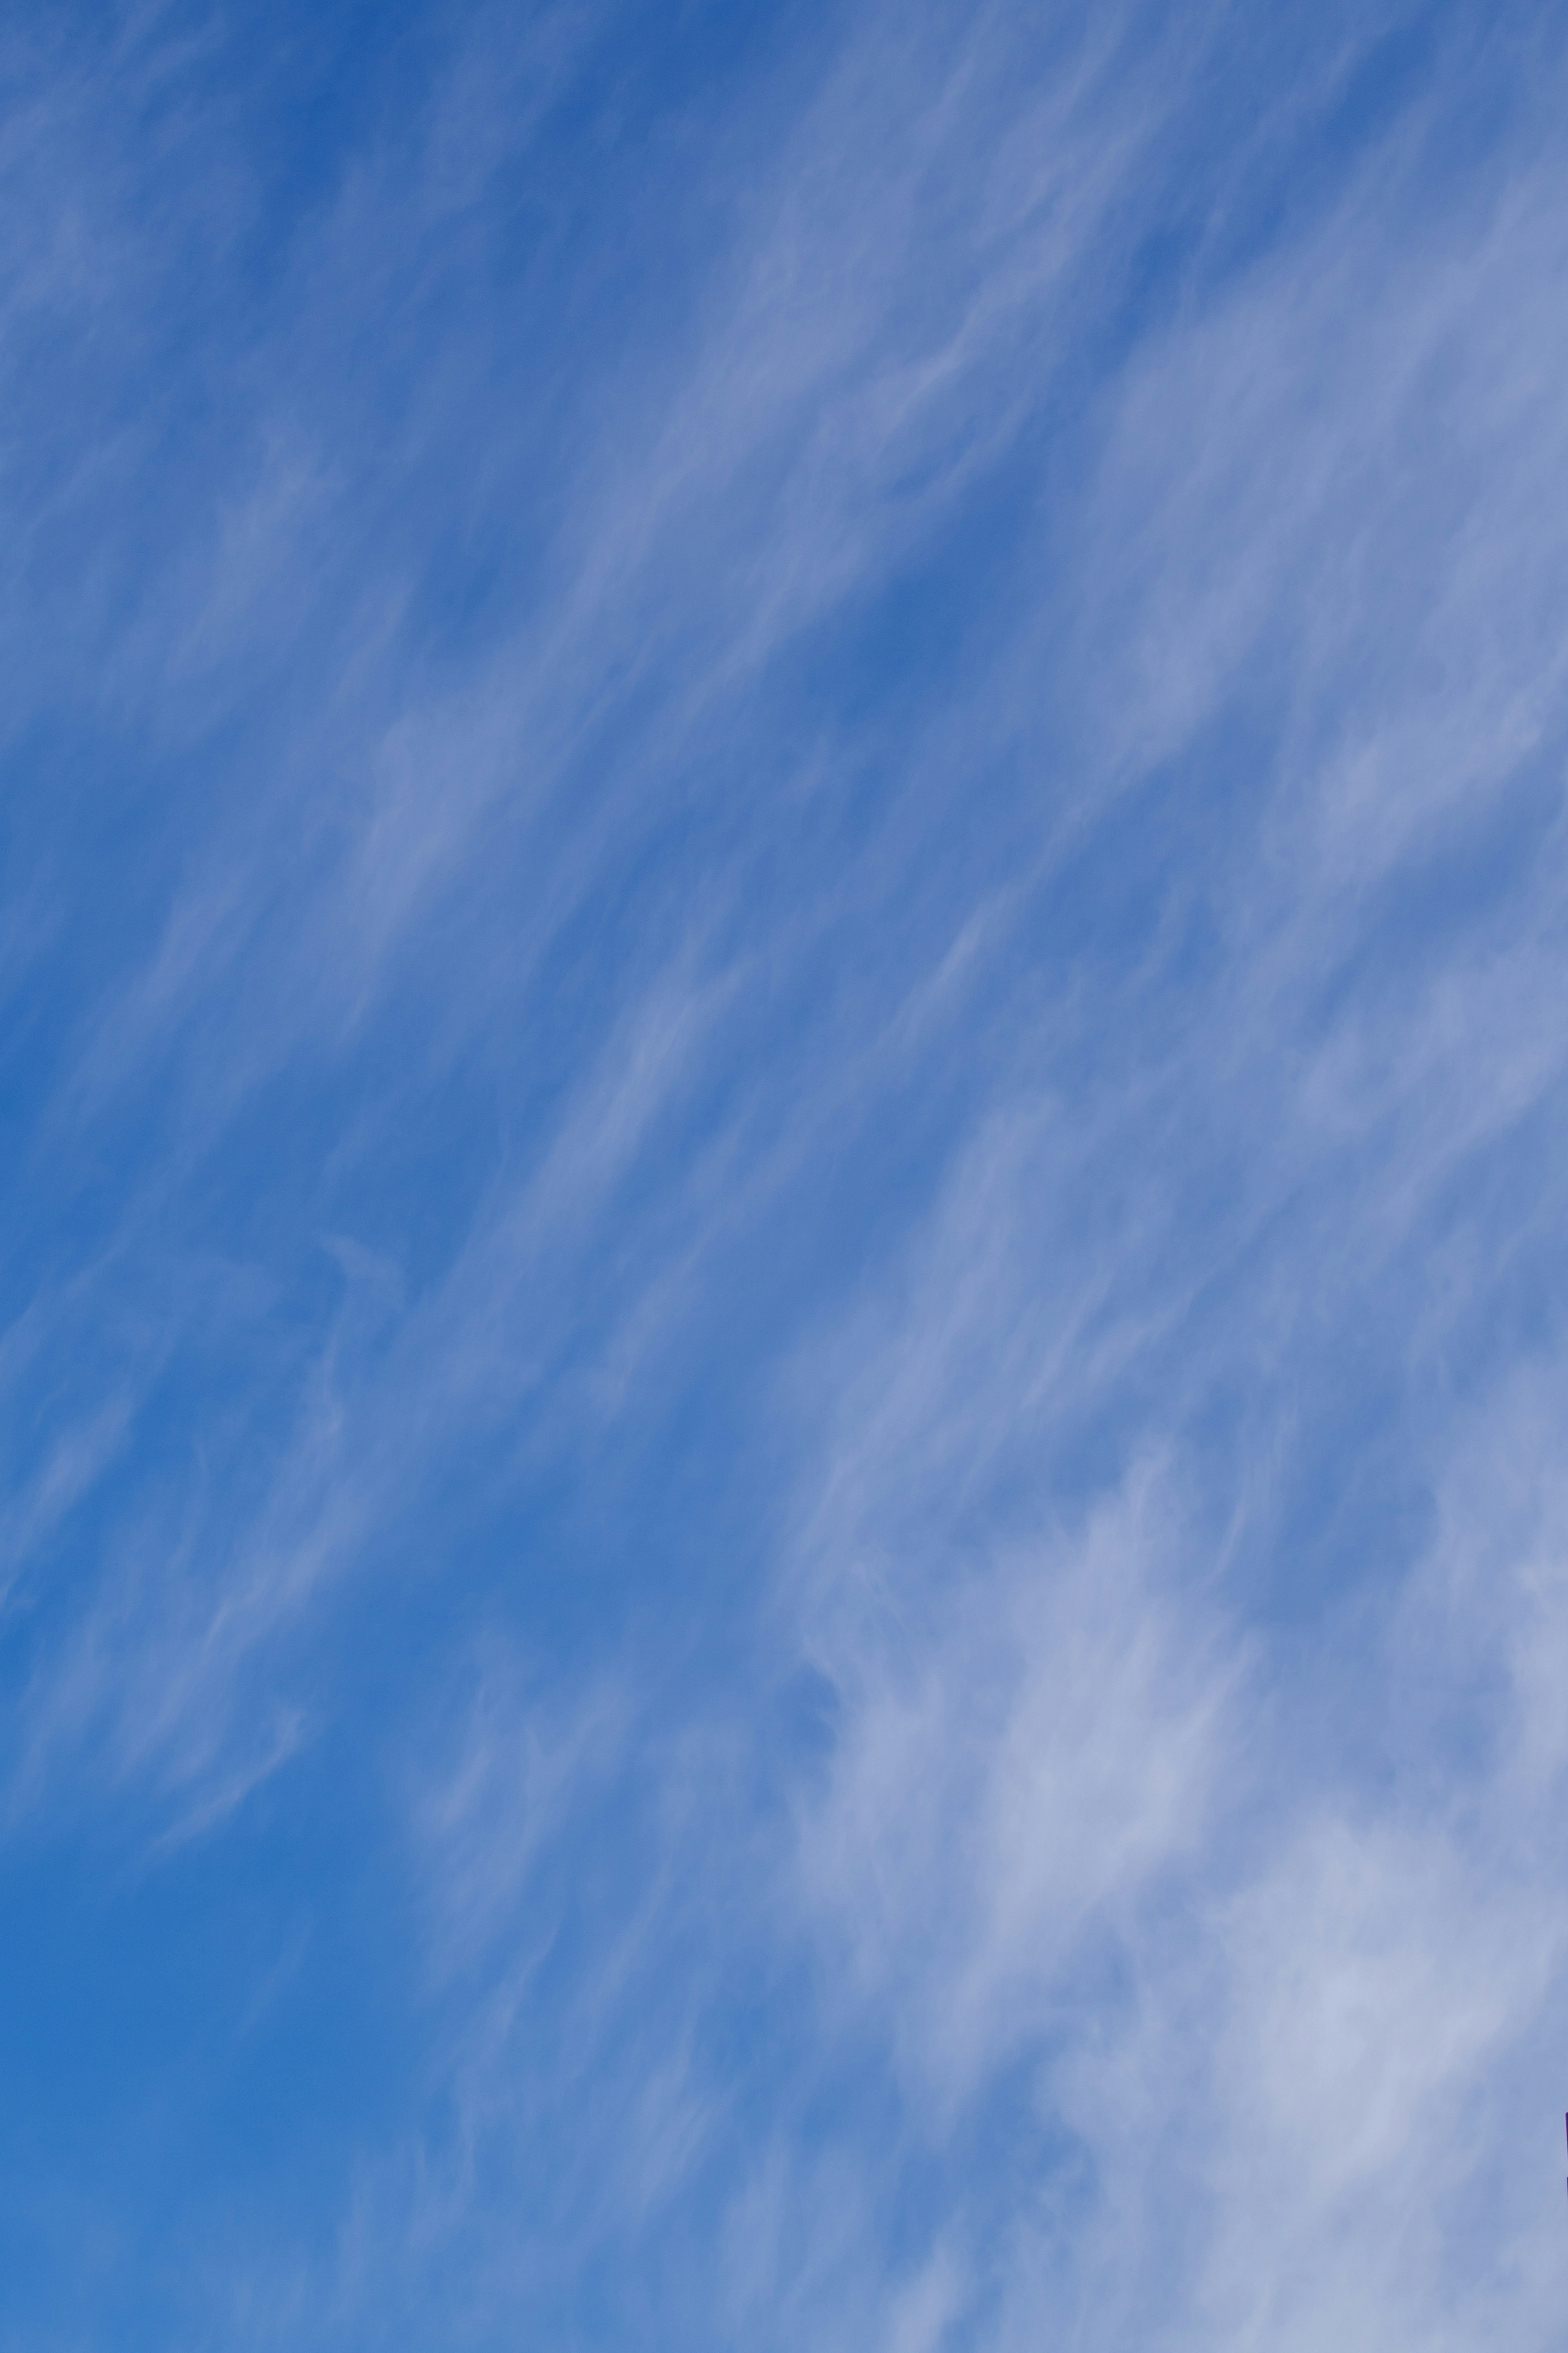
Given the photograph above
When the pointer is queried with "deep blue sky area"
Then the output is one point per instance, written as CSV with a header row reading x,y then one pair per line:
x,y
783,1555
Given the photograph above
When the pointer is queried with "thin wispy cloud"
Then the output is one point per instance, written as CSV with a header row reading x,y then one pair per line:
x,y
780,936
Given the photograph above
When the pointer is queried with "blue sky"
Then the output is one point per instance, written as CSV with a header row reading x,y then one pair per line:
x,y
784,1317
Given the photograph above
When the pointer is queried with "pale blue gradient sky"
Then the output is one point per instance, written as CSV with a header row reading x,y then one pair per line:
x,y
784,1325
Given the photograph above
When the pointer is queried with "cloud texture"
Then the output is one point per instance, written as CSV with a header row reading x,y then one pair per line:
x,y
781,884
